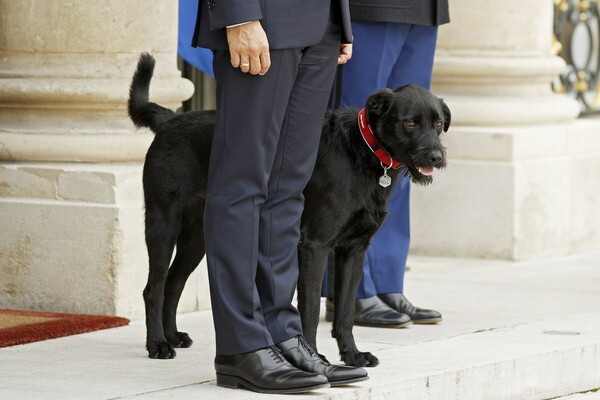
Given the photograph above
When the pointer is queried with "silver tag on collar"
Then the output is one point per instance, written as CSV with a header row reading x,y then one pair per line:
x,y
385,180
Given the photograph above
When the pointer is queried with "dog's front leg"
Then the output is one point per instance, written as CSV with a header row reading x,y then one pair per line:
x,y
312,257
348,271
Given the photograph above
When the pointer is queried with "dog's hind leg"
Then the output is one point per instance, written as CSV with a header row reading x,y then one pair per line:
x,y
162,226
190,250
348,271
313,259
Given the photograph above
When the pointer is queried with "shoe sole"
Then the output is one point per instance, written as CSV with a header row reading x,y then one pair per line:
x,y
348,381
235,382
404,325
329,318
427,321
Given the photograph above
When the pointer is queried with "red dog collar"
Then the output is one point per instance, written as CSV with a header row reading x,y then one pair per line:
x,y
367,134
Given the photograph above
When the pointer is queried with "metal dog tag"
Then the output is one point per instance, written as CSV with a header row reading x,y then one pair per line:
x,y
385,180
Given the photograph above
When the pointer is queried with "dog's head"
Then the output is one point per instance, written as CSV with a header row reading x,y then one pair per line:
x,y
407,123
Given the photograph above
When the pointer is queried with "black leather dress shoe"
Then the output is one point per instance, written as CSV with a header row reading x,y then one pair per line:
x,y
265,371
398,302
372,312
303,357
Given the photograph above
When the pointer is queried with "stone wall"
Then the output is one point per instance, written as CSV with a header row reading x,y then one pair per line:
x,y
71,200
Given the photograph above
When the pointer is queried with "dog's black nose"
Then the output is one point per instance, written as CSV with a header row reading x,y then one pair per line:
x,y
435,156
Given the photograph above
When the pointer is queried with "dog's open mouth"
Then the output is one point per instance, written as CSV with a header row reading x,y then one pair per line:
x,y
427,171
423,175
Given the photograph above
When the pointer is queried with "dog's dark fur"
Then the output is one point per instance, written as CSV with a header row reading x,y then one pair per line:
x,y
344,204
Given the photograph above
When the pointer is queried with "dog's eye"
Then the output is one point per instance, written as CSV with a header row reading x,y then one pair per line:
x,y
439,123
410,123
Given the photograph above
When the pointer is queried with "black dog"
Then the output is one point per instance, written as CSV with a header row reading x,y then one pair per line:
x,y
344,200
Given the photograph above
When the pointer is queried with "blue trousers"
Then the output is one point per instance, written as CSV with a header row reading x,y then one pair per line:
x,y
387,55
198,57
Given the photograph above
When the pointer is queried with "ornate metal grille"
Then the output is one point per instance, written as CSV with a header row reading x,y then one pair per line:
x,y
577,40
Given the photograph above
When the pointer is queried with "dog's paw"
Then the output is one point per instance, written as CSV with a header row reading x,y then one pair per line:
x,y
179,339
360,359
160,349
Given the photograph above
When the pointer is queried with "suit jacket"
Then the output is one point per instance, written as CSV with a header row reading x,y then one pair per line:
x,y
287,23
418,12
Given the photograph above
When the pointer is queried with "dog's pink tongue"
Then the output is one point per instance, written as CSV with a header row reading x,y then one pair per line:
x,y
427,171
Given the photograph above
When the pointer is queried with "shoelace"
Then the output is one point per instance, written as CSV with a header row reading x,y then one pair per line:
x,y
311,351
306,346
274,352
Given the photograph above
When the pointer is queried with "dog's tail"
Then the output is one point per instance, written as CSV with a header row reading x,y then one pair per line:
x,y
142,112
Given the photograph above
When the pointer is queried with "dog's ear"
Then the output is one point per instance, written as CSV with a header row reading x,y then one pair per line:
x,y
447,115
379,102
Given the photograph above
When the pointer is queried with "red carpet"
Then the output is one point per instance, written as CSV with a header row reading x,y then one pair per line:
x,y
19,326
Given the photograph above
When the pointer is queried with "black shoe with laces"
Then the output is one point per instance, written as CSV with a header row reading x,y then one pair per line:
x,y
398,302
372,311
302,356
265,371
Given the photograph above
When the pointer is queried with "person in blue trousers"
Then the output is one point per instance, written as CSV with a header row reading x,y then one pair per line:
x,y
394,45
198,57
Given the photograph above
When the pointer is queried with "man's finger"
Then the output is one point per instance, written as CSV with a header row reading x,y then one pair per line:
x,y
345,53
255,65
235,59
342,59
265,63
244,64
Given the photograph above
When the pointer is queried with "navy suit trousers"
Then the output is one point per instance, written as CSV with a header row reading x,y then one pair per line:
x,y
263,154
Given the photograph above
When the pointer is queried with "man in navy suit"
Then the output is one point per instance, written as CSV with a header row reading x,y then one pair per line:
x,y
394,45
274,63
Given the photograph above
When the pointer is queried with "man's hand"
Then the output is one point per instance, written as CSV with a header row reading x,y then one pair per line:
x,y
345,53
249,48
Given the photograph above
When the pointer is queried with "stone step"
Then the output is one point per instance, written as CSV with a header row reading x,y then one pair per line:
x,y
538,360
526,331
